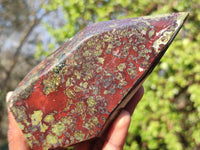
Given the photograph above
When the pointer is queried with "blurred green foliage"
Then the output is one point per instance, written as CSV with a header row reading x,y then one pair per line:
x,y
168,117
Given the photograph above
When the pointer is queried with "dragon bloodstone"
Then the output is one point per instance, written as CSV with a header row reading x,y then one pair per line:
x,y
75,93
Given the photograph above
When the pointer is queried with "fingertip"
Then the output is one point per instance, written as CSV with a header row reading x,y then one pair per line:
x,y
124,118
8,96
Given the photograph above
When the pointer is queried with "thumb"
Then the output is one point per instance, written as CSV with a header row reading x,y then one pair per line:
x,y
16,139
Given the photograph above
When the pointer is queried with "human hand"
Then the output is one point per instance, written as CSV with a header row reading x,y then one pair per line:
x,y
113,139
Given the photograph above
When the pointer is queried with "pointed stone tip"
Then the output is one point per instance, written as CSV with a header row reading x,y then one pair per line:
x,y
182,16
180,19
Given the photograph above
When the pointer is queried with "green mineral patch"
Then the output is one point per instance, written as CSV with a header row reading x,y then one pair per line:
x,y
77,89
84,84
91,102
49,118
71,139
79,135
107,38
119,76
26,122
99,69
88,75
70,93
131,71
58,128
95,120
19,112
100,60
121,66
87,53
162,40
28,136
67,120
36,117
67,106
91,123
98,52
64,70
80,109
89,43
80,106
109,48
151,33
105,92
91,111
43,127
69,83
26,92
123,83
21,126
134,48
51,139
51,83
78,74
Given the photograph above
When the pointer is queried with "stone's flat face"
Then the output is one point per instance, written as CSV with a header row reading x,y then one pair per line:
x,y
70,96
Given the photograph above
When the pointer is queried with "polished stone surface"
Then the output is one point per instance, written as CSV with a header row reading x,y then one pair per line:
x,y
70,96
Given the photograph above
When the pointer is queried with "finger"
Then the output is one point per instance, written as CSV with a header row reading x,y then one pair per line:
x,y
118,132
16,139
130,107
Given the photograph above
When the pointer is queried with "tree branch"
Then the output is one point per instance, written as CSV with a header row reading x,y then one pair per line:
x,y
8,72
